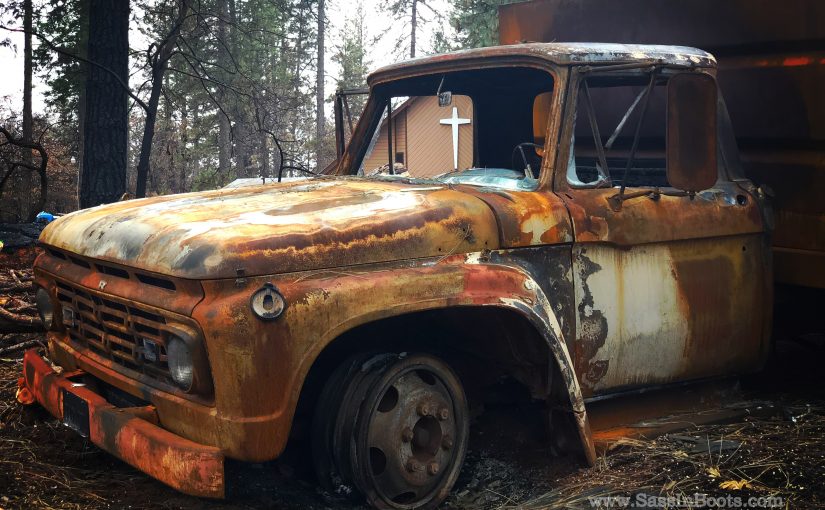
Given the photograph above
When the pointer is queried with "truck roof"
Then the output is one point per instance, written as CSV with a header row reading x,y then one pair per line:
x,y
561,53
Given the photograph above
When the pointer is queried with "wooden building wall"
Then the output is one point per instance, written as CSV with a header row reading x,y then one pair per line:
x,y
426,144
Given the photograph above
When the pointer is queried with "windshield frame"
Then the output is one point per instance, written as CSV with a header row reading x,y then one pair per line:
x,y
376,104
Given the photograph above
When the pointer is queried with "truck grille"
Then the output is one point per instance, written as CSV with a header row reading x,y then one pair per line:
x,y
128,335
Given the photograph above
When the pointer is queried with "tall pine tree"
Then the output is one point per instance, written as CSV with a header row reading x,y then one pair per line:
x,y
105,125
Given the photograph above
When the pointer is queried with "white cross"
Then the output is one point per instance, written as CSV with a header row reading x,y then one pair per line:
x,y
454,121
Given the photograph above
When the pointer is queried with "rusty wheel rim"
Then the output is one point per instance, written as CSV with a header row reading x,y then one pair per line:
x,y
412,434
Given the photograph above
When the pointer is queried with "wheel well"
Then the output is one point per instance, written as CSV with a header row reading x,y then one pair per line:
x,y
483,345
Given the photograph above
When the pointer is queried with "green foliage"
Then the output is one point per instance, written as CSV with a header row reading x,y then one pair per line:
x,y
475,22
351,56
65,24
441,42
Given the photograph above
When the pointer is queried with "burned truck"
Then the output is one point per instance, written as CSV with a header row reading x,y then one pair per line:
x,y
367,310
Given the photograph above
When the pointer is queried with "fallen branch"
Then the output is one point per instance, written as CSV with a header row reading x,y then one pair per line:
x,y
23,287
11,322
21,345
25,309
17,318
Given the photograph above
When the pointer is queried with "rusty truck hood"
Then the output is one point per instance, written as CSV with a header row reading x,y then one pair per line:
x,y
279,228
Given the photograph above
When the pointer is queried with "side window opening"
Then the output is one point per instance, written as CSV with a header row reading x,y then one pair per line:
x,y
615,108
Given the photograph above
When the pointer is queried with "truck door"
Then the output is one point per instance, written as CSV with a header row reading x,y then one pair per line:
x,y
668,287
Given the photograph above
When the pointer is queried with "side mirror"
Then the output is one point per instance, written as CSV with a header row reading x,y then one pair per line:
x,y
691,132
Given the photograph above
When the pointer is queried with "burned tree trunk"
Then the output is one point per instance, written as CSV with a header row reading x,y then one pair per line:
x,y
105,120
105,123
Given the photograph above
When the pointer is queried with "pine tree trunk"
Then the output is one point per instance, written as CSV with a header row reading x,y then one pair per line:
x,y
413,25
186,159
224,129
265,170
26,176
240,131
196,121
319,91
171,142
105,123
83,74
148,135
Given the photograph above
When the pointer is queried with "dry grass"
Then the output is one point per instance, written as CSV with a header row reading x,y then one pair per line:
x,y
782,457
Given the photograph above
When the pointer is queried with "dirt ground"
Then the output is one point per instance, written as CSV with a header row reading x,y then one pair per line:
x,y
46,465
779,455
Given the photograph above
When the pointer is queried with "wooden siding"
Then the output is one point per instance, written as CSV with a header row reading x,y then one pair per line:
x,y
426,143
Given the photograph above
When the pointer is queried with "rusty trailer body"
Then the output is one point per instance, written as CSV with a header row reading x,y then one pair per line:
x,y
771,71
267,289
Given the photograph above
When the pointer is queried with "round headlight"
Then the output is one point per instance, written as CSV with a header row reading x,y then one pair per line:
x,y
45,307
179,358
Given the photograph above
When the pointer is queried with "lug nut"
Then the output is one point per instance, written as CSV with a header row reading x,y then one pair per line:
x,y
407,435
443,413
433,468
414,466
447,442
423,409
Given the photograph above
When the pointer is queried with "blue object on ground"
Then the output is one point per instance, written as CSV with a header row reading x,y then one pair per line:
x,y
44,216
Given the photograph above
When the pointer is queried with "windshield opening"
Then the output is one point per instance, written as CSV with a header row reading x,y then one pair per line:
x,y
484,127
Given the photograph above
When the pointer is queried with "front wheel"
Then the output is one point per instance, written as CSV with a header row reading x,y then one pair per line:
x,y
393,426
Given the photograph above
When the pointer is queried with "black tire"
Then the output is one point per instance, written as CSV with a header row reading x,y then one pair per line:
x,y
400,430
324,421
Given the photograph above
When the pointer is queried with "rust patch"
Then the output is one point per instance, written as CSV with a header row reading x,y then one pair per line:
x,y
526,218
592,326
328,222
706,296
721,290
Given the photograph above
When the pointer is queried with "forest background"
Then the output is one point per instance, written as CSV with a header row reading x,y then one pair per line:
x,y
106,99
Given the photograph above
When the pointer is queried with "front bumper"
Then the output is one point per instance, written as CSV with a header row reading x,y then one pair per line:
x,y
131,434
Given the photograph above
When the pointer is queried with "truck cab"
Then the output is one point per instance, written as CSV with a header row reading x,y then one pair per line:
x,y
572,216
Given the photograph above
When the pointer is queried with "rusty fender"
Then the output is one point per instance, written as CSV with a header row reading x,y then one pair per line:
x,y
260,366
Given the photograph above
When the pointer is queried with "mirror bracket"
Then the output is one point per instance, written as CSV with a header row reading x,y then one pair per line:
x,y
617,200
444,98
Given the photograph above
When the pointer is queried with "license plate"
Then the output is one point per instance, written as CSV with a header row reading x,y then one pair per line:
x,y
76,413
